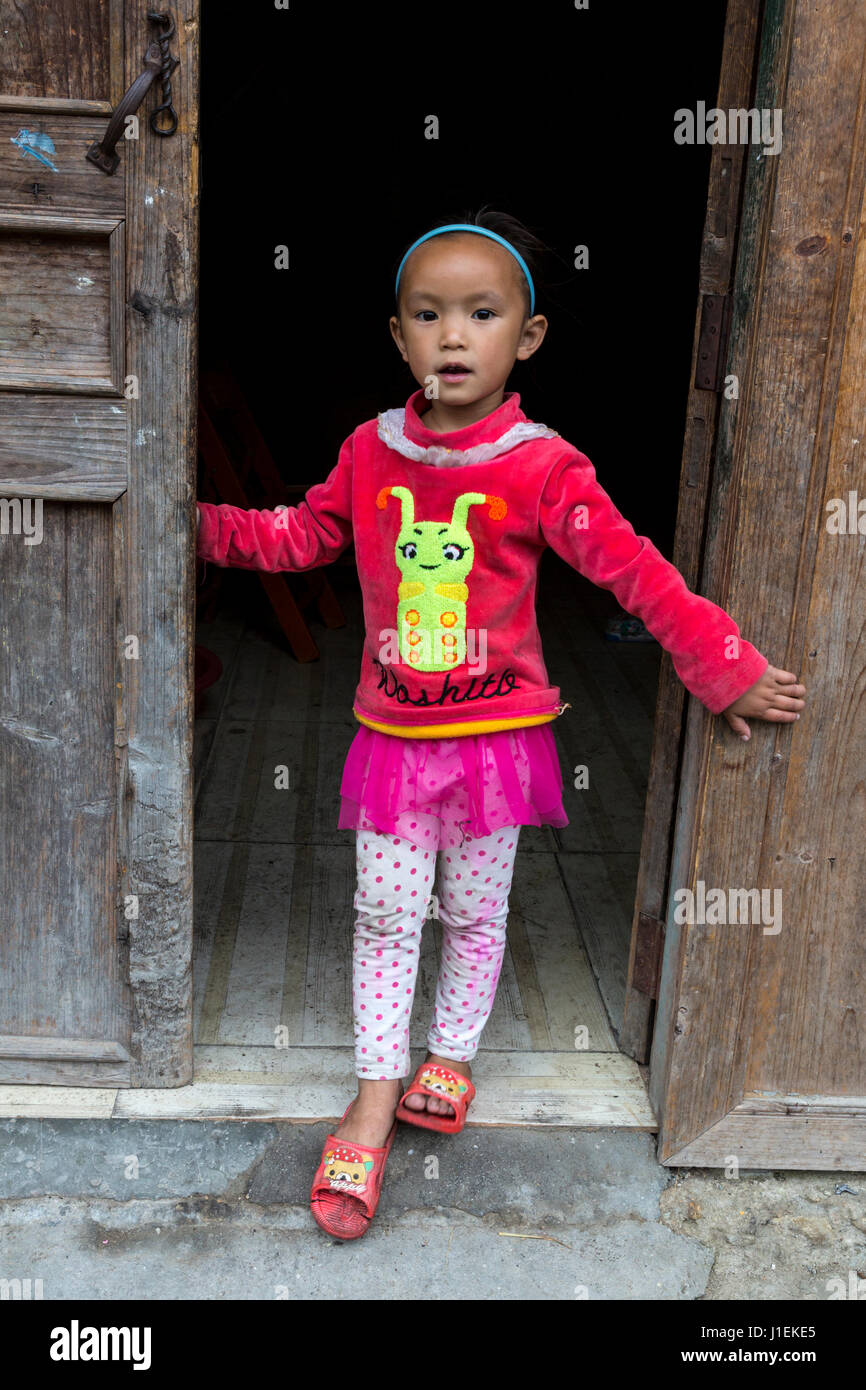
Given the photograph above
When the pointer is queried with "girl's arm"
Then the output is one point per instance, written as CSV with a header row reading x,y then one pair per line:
x,y
581,523
289,538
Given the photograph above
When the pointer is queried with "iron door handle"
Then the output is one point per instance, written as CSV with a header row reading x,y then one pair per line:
x,y
157,61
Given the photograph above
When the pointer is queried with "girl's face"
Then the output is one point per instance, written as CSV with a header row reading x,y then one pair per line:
x,y
463,305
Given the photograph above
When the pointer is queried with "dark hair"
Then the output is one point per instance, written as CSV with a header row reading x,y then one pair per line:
x,y
531,247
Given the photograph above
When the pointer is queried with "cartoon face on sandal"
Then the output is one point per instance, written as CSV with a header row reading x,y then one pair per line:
x,y
346,1168
442,1082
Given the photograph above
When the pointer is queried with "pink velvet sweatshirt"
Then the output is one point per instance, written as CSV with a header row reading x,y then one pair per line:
x,y
448,531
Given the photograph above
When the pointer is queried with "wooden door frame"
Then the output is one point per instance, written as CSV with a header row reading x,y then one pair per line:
x,y
155,562
718,251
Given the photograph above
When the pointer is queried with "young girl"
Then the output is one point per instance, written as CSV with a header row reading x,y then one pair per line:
x,y
450,503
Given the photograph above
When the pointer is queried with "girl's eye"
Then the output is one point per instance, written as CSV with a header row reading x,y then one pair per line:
x,y
453,551
421,312
410,550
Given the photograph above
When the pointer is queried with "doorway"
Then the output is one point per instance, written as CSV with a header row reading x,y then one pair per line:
x,y
274,877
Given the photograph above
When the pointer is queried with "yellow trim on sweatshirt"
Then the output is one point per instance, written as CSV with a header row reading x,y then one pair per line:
x,y
480,726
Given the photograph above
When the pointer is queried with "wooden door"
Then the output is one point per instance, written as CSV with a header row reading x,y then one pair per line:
x,y
97,480
739,62
757,1052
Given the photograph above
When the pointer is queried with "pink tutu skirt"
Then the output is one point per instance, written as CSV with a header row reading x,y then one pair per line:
x,y
438,792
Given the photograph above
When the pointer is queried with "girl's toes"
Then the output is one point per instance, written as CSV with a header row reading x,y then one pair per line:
x,y
415,1102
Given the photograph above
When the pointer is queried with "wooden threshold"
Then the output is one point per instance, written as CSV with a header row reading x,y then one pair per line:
x,y
309,1084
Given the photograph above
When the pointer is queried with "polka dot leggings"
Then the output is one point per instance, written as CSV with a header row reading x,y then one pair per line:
x,y
395,886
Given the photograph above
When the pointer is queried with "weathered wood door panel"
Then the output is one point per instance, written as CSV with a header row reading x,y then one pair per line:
x,y
737,75
97,472
759,1051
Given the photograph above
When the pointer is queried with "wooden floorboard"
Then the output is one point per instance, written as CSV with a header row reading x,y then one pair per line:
x,y
275,950
57,1102
308,1084
601,889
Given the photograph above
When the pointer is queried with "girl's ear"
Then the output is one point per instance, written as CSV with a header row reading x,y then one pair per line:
x,y
397,335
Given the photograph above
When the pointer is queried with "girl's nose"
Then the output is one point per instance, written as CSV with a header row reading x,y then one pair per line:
x,y
452,332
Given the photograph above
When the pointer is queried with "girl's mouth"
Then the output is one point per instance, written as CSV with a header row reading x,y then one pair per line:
x,y
454,373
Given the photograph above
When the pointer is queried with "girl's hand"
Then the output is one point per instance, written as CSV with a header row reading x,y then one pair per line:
x,y
776,696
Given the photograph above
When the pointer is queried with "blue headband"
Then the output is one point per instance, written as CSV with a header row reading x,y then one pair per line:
x,y
480,231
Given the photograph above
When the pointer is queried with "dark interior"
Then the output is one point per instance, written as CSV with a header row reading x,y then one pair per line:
x,y
313,137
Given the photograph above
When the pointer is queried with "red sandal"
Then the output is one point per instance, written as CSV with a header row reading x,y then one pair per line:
x,y
433,1080
347,1183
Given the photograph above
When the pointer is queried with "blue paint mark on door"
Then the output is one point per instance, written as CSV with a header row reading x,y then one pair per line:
x,y
33,142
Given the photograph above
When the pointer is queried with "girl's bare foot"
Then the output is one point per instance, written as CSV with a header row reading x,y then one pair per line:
x,y
371,1117
433,1103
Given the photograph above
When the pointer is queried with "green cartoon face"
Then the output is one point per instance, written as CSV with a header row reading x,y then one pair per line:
x,y
430,551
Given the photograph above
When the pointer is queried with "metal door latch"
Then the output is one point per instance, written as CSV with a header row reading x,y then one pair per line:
x,y
158,62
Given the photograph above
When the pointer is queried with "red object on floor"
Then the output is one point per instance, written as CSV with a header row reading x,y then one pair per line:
x,y
208,669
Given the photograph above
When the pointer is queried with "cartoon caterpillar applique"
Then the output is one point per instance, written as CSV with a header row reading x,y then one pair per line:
x,y
434,560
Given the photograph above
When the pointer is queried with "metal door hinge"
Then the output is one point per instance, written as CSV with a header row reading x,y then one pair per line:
x,y
713,342
648,955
